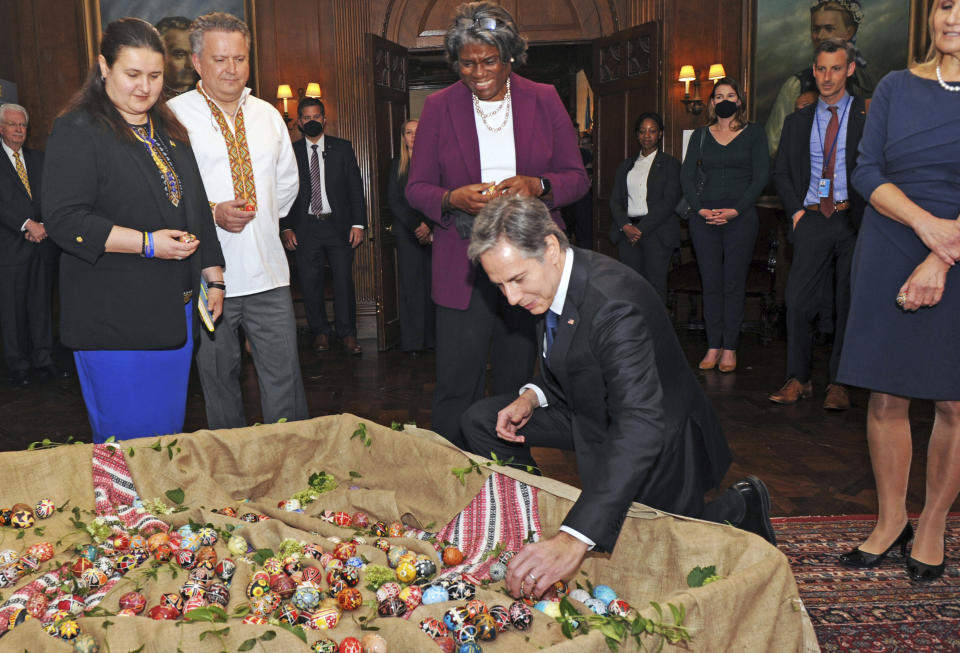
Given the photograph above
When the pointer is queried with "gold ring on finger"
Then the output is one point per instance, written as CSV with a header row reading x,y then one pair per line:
x,y
901,299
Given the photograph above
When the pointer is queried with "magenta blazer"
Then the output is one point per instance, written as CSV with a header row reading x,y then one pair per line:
x,y
446,156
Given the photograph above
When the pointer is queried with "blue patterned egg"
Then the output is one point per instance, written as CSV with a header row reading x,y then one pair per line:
x,y
549,608
306,598
355,561
469,647
467,633
435,594
191,541
486,627
185,530
456,618
596,606
605,593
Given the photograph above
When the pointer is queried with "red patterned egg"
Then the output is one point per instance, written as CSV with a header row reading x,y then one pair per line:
x,y
6,514
37,605
79,566
289,614
192,589
382,543
138,541
126,612
395,529
452,556
133,601
619,607
163,613
360,520
501,617
312,575
325,559
218,594
433,627
265,603
342,519
291,565
345,550
283,585
207,554
121,542
476,607
388,591
44,508
350,598
125,563
71,603
446,643
255,619
28,563
194,603
350,645
228,511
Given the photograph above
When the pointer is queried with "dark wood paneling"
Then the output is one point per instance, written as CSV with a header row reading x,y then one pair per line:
x,y
45,53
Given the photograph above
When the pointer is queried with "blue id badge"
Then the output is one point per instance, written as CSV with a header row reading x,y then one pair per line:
x,y
824,188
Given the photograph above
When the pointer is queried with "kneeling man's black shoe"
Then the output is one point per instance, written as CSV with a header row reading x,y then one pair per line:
x,y
756,518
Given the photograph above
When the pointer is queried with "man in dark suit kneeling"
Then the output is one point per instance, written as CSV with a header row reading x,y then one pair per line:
x,y
614,387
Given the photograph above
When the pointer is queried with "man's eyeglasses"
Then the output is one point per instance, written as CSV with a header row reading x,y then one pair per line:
x,y
489,24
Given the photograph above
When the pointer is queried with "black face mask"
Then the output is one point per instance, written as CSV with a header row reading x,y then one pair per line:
x,y
725,109
312,129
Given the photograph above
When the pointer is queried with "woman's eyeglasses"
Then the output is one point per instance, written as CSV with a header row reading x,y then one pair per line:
x,y
489,24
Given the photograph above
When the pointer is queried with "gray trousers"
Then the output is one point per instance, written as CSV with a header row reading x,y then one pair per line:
x,y
270,326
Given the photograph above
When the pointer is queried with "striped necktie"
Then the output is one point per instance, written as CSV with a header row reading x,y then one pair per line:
x,y
22,172
316,188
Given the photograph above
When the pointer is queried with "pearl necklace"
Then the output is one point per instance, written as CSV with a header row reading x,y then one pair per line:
x,y
505,102
946,87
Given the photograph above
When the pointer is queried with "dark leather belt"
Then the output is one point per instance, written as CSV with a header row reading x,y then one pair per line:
x,y
321,217
842,205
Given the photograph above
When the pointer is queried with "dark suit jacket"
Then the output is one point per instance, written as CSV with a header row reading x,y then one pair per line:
x,y
447,156
16,206
120,301
342,182
663,193
642,427
791,170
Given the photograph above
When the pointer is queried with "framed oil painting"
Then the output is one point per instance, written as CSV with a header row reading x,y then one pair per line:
x,y
172,19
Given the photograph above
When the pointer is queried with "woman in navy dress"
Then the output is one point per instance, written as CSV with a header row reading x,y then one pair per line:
x,y
901,338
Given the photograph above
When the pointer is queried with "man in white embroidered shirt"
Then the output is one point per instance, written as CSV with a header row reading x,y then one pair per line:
x,y
250,176
614,387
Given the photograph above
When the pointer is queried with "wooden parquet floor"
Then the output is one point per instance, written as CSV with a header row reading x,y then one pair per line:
x,y
815,462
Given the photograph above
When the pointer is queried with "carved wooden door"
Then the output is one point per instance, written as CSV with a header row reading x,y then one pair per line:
x,y
388,100
626,82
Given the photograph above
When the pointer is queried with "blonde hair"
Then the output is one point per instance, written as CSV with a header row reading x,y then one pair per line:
x,y
934,56
405,152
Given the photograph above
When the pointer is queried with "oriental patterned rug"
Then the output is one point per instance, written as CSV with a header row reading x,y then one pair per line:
x,y
876,610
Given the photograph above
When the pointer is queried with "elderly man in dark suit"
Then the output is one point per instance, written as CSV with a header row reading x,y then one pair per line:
x,y
818,152
27,257
326,225
615,387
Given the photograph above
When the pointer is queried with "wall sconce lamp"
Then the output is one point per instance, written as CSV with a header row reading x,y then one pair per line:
x,y
285,93
716,72
313,90
687,75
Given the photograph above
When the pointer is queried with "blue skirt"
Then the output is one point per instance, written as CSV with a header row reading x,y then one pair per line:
x,y
136,393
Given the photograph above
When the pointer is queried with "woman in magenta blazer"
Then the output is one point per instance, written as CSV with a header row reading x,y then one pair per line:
x,y
489,134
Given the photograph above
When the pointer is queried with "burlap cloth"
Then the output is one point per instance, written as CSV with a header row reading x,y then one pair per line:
x,y
402,475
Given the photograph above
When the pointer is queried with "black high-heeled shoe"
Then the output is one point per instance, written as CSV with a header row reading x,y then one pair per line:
x,y
920,571
864,560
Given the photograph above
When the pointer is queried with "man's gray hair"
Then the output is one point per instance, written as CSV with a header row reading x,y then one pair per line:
x,y
835,45
10,106
489,24
215,21
524,222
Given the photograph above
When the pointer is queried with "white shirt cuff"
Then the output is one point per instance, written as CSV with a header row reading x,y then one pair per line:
x,y
23,227
580,536
542,398
357,226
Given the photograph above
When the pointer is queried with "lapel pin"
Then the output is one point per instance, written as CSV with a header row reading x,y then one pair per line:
x,y
570,321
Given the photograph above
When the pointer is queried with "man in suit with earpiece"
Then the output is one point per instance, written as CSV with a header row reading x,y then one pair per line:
x,y
326,225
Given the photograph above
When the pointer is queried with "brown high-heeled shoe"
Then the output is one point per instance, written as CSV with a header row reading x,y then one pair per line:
x,y
709,363
728,367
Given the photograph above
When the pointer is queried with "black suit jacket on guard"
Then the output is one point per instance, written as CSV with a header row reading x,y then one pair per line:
x,y
663,193
16,207
642,427
342,183
119,301
791,170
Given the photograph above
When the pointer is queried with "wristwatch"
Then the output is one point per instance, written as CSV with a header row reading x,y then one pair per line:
x,y
545,186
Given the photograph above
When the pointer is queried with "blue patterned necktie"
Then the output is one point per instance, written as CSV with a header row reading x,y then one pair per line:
x,y
551,330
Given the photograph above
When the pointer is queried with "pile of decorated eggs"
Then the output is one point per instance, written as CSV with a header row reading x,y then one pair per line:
x,y
603,601
462,628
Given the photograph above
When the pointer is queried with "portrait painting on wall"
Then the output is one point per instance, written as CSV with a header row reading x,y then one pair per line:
x,y
787,32
172,19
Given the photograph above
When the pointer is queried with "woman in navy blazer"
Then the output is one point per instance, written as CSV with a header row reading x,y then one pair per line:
x,y
463,159
645,240
123,198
